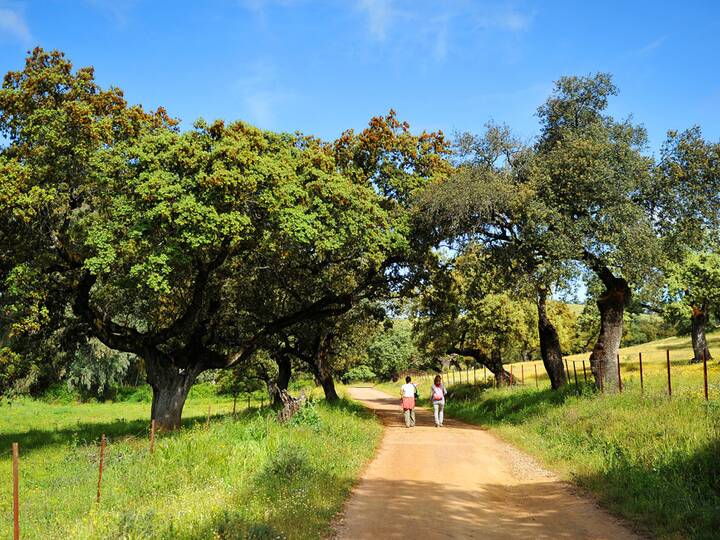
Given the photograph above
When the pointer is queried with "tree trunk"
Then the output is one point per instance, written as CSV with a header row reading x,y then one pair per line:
x,y
495,364
276,387
699,342
324,370
550,344
603,360
170,386
319,364
492,362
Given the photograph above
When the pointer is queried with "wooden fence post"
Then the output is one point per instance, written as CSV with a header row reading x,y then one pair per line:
x,y
705,374
537,384
577,387
567,370
619,377
584,372
16,490
102,459
152,435
522,374
642,384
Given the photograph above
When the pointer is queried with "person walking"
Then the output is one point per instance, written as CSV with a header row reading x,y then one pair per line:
x,y
408,393
437,396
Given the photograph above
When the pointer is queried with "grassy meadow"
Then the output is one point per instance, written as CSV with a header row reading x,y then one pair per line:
x,y
651,459
241,477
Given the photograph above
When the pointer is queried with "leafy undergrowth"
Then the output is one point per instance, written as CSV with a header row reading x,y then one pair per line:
x,y
244,477
650,459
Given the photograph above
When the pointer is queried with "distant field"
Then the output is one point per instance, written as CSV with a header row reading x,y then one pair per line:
x,y
686,379
242,476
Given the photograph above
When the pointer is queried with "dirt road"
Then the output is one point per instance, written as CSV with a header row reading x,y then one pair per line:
x,y
460,481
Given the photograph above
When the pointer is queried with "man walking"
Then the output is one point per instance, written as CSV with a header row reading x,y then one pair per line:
x,y
408,393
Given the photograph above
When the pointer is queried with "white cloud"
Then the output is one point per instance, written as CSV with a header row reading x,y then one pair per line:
x,y
650,47
430,27
379,14
512,20
118,11
13,25
261,95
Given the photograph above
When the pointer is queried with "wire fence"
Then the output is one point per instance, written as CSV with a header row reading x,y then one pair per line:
x,y
646,373
239,404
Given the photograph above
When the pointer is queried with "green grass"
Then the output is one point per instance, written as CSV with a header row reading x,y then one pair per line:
x,y
646,457
243,477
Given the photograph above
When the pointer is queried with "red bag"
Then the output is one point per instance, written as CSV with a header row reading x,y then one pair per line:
x,y
437,393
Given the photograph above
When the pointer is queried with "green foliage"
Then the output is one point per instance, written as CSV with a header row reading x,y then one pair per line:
x,y
307,416
392,351
97,371
361,373
693,283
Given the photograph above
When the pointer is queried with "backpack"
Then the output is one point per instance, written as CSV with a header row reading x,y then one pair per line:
x,y
437,393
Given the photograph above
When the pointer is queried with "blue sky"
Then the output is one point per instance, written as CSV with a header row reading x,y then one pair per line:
x,y
321,66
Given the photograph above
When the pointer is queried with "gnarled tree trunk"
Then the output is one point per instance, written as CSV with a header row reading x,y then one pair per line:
x,y
493,362
324,372
170,385
603,359
550,344
699,319
276,387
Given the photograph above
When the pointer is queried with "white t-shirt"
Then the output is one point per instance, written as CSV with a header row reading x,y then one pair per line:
x,y
408,390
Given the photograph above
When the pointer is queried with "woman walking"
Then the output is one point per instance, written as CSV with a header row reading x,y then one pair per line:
x,y
408,393
437,396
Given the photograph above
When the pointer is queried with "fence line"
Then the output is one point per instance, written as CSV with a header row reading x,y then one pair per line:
x,y
453,375
15,451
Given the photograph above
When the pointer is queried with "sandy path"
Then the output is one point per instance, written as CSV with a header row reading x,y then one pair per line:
x,y
460,482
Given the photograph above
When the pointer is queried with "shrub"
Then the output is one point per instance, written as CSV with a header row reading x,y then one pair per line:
x,y
306,416
360,373
287,463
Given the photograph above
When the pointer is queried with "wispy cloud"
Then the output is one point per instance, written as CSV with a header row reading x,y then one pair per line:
x,y
119,11
380,14
13,26
261,94
432,26
651,46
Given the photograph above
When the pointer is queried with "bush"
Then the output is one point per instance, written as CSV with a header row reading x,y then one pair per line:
x,y
306,416
287,463
59,393
360,373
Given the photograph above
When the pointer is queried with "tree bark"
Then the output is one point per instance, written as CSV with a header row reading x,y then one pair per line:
x,y
492,362
550,344
324,369
170,385
699,319
603,359
276,387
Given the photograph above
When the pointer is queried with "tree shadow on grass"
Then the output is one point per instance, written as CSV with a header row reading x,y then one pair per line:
x,y
87,432
513,407
676,495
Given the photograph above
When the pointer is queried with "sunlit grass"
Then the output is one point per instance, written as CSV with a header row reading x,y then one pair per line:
x,y
240,476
